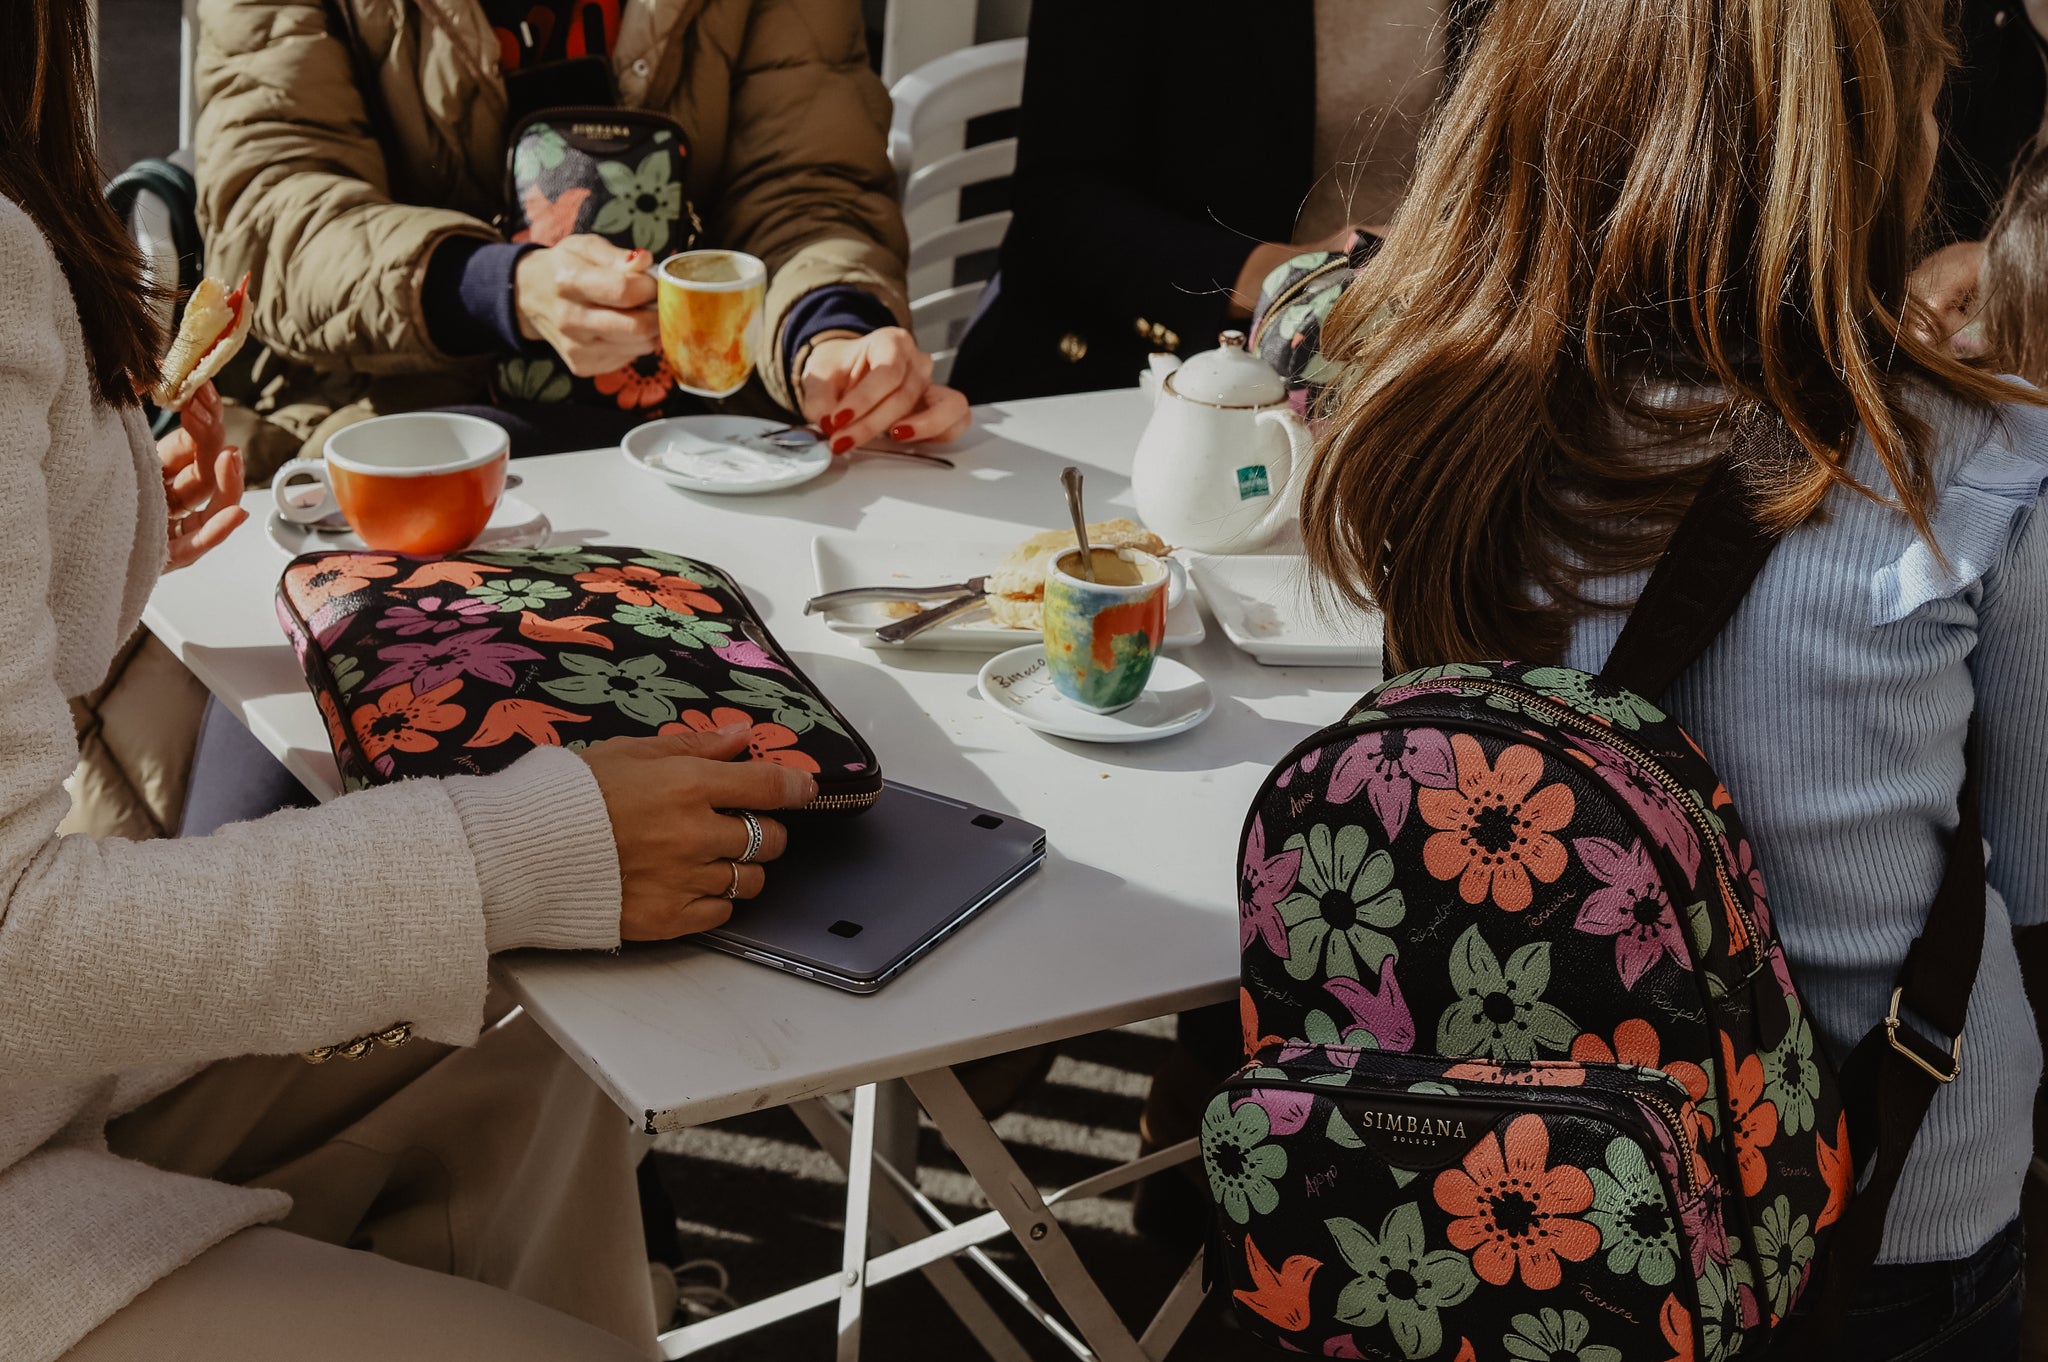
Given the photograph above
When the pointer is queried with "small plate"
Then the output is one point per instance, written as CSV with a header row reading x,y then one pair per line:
x,y
726,455
849,560
515,524
1175,700
1264,604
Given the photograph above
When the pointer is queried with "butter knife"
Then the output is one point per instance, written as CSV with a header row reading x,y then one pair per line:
x,y
904,630
861,595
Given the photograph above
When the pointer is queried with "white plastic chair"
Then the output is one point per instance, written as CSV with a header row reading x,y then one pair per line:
x,y
927,139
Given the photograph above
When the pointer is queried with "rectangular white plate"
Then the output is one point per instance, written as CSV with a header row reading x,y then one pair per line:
x,y
1266,607
847,560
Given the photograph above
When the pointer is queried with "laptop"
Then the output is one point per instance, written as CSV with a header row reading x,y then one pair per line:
x,y
856,901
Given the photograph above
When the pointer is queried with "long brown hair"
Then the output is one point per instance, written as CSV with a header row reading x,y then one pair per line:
x,y
49,164
1620,201
2015,277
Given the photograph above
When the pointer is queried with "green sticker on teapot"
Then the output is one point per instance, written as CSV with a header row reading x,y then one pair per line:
x,y
1252,482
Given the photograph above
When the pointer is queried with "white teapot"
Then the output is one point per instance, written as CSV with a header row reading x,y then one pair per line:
x,y
1219,466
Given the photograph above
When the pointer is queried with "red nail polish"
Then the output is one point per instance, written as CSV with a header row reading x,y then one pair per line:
x,y
825,424
842,444
843,417
901,433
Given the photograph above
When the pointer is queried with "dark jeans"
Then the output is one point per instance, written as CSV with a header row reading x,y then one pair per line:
x,y
1967,1311
234,778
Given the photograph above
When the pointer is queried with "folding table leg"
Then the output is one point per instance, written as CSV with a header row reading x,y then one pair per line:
x,y
1014,1197
895,1214
1181,1304
853,1261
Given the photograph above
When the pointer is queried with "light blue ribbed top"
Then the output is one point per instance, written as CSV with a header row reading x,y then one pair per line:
x,y
1834,706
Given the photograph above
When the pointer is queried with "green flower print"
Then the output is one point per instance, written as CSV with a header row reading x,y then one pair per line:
x,y
1625,708
1241,1165
1320,1028
513,594
1791,1079
535,380
1633,1216
560,558
636,685
1784,1246
678,566
793,709
645,200
346,671
692,631
1341,897
1500,1012
538,153
1400,1281
1555,1336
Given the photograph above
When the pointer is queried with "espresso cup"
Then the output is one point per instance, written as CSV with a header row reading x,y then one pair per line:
x,y
710,304
1102,636
424,482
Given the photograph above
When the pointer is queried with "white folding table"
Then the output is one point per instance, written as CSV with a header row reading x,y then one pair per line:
x,y
1132,916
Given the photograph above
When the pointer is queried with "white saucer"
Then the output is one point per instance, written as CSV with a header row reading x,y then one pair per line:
x,y
724,455
515,524
1175,700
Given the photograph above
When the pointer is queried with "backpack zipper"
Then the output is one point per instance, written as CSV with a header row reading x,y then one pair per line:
x,y
1289,294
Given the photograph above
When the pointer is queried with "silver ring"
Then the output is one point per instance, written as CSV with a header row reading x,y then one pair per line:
x,y
753,839
734,892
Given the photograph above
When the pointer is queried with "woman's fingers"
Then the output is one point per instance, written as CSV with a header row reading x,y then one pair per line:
x,y
715,879
671,920
732,839
941,416
189,547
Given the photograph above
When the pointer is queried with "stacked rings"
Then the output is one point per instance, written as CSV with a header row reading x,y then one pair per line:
x,y
753,841
734,892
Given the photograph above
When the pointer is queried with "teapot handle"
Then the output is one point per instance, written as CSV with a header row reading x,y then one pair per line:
x,y
1152,378
1286,486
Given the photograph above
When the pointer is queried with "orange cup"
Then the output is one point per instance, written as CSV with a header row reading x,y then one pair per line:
x,y
423,482
710,308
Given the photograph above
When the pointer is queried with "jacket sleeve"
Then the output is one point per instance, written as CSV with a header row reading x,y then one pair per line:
x,y
808,186
293,189
1084,225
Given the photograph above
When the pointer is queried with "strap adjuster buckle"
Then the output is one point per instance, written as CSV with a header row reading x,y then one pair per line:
x,y
1919,1043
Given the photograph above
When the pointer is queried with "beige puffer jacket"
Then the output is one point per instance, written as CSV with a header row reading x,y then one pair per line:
x,y
330,174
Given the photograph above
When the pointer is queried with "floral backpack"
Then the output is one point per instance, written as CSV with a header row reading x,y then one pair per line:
x,y
1529,1077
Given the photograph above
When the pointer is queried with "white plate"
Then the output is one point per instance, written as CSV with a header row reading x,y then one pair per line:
x,y
848,560
1176,698
515,524
722,455
1265,605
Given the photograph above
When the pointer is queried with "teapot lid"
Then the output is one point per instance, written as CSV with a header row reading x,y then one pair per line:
x,y
1228,376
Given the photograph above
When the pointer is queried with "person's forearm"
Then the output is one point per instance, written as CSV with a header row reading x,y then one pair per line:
x,y
469,298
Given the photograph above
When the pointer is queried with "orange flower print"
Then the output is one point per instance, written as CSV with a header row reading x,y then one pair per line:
x,y
400,720
636,385
648,586
1493,830
1675,1322
768,742
1534,1074
1752,1120
1635,1042
1837,1171
1248,1019
312,585
1281,1296
550,220
332,714
1516,1213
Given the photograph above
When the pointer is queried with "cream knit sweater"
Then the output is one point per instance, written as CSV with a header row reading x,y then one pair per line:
x,y
126,966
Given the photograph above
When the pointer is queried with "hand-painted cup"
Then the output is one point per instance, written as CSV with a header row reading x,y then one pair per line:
x,y
1101,636
423,482
710,304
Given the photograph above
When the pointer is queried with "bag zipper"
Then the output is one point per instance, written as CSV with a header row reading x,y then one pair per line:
x,y
1287,296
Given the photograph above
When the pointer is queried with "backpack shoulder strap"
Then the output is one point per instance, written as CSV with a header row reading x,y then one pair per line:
x,y
1891,1077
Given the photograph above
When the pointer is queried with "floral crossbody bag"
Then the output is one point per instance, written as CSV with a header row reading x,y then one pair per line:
x,y
460,665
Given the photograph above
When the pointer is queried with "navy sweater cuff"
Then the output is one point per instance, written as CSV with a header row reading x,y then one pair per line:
x,y
837,307
468,296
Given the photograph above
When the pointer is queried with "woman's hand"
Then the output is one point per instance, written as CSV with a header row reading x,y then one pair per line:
x,y
859,388
589,299
202,481
677,852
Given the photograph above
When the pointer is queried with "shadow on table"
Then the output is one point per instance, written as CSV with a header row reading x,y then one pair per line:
x,y
892,720
256,672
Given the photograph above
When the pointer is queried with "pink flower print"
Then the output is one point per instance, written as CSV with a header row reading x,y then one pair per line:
x,y
747,654
1306,765
1706,1228
1388,765
1286,1111
1659,809
1743,858
1384,1013
473,653
435,615
1632,907
1264,883
1343,1345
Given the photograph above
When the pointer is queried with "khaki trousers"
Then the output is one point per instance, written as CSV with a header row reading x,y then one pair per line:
x,y
447,1204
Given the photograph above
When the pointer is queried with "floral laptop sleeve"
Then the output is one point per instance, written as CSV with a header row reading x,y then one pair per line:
x,y
460,665
614,173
